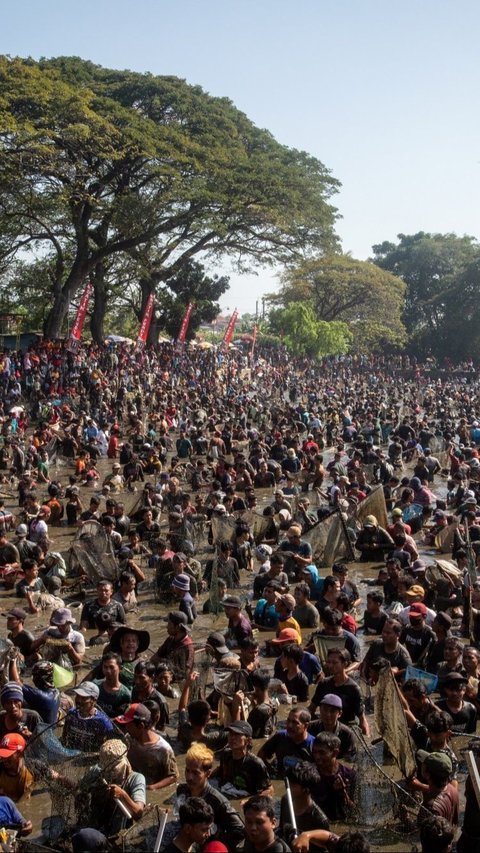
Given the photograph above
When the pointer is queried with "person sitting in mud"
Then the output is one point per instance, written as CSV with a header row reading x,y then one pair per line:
x,y
196,818
373,541
335,791
110,781
148,752
43,697
61,640
86,727
198,769
16,781
177,649
103,602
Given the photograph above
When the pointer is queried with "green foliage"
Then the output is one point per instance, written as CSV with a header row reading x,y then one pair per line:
x,y
440,271
339,288
305,335
96,163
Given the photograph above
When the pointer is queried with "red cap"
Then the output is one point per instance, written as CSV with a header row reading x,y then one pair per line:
x,y
11,743
215,847
287,635
418,609
136,713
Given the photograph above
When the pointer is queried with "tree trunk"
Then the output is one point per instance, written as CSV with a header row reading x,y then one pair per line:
x,y
97,318
52,327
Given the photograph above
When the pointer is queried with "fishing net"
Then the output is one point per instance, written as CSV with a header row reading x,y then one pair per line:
x,y
258,524
324,644
383,809
203,664
223,529
391,723
5,646
373,504
92,553
329,541
142,835
443,570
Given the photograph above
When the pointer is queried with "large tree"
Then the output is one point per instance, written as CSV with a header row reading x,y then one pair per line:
x,y
305,335
338,287
441,276
95,163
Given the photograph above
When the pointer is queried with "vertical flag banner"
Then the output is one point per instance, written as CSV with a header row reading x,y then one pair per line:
x,y
184,327
254,339
76,333
146,320
228,336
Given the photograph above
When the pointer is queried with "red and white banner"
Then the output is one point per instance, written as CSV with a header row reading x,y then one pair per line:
x,y
146,320
76,332
228,336
184,327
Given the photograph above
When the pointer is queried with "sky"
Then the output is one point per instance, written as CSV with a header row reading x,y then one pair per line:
x,y
385,94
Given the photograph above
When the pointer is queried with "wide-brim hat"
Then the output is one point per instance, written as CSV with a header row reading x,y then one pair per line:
x,y
143,638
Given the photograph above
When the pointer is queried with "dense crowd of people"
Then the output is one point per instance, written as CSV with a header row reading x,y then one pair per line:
x,y
203,473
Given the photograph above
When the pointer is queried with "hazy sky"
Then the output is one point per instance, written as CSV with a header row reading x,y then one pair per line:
x,y
385,94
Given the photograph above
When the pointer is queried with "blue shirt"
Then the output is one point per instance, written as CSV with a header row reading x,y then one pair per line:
x,y
265,614
45,702
10,817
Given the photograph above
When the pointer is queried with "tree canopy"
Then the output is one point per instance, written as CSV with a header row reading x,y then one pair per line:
x,y
440,271
339,288
306,335
97,163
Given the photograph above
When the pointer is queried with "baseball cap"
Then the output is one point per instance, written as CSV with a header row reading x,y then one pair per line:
x,y
17,613
215,847
176,617
397,512
136,713
22,530
332,699
88,689
263,552
452,677
370,521
418,609
435,760
11,743
217,641
232,601
61,616
414,590
180,556
286,635
241,727
288,600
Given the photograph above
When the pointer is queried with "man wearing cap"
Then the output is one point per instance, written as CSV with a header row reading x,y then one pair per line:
x,y
14,718
239,627
186,604
415,594
86,726
20,638
331,707
148,752
463,714
61,622
238,766
417,637
16,781
441,797
103,602
373,541
177,649
299,552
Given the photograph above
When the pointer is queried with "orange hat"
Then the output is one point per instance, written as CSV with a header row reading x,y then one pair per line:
x,y
287,635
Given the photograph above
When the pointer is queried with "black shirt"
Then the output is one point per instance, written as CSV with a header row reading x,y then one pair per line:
x,y
286,752
465,720
349,693
343,732
247,774
373,625
91,610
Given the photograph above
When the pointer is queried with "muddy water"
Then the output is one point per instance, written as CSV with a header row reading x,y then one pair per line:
x,y
151,616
